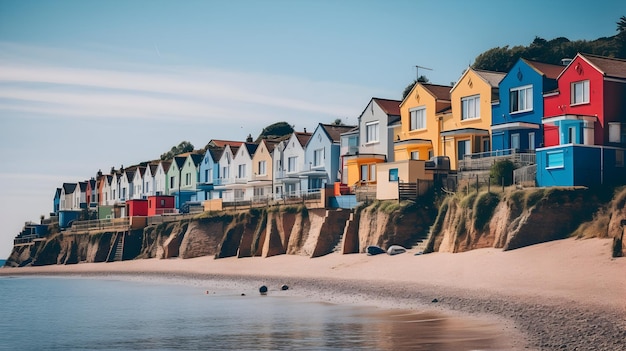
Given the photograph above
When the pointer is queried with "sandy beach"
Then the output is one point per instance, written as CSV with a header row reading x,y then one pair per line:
x,y
562,295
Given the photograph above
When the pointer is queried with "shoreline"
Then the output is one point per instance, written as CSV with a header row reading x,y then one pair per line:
x,y
557,295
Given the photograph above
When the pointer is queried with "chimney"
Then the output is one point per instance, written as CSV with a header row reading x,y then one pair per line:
x,y
566,61
249,138
305,130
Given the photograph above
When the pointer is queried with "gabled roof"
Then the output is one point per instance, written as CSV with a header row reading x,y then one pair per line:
x,y
82,186
440,92
57,193
493,78
547,69
166,165
92,183
334,131
251,148
270,144
69,187
197,158
180,160
130,173
215,152
223,143
303,137
153,167
390,107
610,67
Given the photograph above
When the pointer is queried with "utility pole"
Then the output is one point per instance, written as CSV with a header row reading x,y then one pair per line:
x,y
417,71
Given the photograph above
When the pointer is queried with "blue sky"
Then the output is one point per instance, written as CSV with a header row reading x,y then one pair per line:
x,y
87,85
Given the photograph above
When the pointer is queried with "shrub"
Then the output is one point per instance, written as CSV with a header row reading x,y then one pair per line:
x,y
502,171
484,206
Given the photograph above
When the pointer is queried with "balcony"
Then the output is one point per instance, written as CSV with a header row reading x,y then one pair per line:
x,y
484,160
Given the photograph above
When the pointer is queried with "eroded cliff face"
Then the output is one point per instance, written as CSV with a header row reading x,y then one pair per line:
x,y
512,220
507,220
386,223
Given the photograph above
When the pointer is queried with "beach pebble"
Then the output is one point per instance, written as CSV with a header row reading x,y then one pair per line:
x,y
435,300
263,289
284,287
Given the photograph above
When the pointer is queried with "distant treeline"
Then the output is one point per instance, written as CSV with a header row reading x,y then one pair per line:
x,y
501,59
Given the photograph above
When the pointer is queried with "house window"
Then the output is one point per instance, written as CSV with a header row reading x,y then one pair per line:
x,y
242,171
162,202
291,164
619,158
617,132
470,107
415,155
521,99
225,174
418,118
262,168
515,141
364,171
463,148
393,175
206,175
187,178
531,140
318,157
571,135
171,182
555,159
373,172
580,92
371,132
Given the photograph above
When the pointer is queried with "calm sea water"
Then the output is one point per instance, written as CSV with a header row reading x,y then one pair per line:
x,y
53,313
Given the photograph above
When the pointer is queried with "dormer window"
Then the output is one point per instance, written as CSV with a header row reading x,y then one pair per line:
x,y
418,118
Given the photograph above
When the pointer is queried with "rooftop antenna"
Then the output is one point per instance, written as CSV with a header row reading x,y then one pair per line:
x,y
417,71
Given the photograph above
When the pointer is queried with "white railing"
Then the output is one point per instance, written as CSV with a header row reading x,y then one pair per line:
x,y
484,160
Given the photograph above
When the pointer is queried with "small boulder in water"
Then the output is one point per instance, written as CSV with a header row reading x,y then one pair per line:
x,y
263,289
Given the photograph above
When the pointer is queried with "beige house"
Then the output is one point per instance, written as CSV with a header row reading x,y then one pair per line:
x,y
262,170
390,174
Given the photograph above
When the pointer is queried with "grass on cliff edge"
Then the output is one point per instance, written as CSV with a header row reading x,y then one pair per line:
x,y
598,227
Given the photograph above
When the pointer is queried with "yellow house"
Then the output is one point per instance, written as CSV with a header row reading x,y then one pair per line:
x,y
422,113
467,130
262,170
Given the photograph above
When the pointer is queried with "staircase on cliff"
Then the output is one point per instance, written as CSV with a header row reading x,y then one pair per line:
x,y
421,245
117,250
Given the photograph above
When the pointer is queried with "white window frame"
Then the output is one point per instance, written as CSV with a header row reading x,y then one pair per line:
x,y
415,155
241,171
318,157
579,92
262,168
372,132
292,164
524,98
417,118
470,107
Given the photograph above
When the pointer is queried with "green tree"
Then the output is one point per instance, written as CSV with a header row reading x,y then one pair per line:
x,y
502,172
275,131
407,90
621,24
181,148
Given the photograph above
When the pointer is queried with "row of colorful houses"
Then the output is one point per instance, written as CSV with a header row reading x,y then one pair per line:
x,y
570,118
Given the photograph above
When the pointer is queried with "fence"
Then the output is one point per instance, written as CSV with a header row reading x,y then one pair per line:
x,y
484,160
525,176
100,224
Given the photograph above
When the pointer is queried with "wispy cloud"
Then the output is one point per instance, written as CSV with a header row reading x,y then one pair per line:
x,y
165,92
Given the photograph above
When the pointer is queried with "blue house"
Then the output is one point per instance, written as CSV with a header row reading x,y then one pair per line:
x,y
517,116
209,174
56,202
322,157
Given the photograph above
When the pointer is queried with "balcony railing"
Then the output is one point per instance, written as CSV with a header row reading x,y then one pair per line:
x,y
484,160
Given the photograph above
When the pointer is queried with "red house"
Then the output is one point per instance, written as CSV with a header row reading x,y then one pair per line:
x,y
590,97
160,204
137,207
585,125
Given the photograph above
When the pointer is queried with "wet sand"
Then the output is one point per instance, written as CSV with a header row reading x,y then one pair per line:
x,y
563,295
